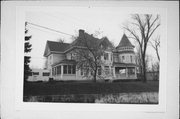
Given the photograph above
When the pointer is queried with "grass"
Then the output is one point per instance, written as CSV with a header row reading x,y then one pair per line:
x,y
120,98
67,88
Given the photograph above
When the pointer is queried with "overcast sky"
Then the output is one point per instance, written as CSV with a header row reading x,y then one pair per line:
x,y
69,20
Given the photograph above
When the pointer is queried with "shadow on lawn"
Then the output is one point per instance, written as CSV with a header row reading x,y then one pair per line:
x,y
122,98
131,92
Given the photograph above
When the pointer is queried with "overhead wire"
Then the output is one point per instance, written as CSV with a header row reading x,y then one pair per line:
x,y
57,31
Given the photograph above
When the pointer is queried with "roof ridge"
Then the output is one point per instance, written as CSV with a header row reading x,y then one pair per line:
x,y
58,42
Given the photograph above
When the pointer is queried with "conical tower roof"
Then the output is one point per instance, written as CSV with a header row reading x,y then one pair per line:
x,y
125,42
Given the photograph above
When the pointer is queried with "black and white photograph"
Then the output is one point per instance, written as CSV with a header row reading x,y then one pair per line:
x,y
91,55
89,60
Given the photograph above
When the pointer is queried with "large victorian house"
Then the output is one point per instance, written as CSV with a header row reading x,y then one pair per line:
x,y
119,62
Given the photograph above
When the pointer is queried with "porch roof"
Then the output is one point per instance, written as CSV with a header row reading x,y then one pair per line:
x,y
65,61
124,64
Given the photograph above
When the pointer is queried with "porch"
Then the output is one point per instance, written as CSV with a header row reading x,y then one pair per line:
x,y
65,70
125,73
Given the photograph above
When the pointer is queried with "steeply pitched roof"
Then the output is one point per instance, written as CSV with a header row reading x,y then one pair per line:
x,y
125,42
57,46
85,38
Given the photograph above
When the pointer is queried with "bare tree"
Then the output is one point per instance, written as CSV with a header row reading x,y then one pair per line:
x,y
140,64
61,40
142,29
155,70
97,33
88,56
156,44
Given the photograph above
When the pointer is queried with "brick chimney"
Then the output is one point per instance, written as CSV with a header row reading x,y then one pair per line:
x,y
81,33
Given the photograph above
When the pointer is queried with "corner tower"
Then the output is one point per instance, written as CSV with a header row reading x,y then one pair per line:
x,y
125,51
125,60
125,45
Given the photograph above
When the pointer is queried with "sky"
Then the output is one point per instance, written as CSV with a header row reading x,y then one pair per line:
x,y
69,20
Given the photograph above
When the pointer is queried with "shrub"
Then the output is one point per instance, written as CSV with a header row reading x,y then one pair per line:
x,y
51,79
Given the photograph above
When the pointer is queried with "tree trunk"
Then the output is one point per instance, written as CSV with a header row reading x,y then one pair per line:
x,y
157,54
144,70
95,73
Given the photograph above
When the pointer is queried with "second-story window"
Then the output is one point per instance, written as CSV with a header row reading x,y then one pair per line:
x,y
50,59
73,56
123,58
131,59
115,58
111,57
106,56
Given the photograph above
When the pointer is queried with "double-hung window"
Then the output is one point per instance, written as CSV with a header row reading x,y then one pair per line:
x,y
106,56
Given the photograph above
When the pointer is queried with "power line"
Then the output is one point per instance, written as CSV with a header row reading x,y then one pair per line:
x,y
49,29
40,29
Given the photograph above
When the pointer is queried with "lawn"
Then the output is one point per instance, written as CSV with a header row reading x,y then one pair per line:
x,y
68,88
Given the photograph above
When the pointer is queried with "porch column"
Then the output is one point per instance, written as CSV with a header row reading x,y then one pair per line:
x,y
126,72
56,70
51,72
62,71
114,72
110,70
76,72
135,72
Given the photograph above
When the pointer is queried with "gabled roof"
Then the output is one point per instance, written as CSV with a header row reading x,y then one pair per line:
x,y
124,64
125,42
81,40
65,61
85,38
57,46
53,46
105,42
